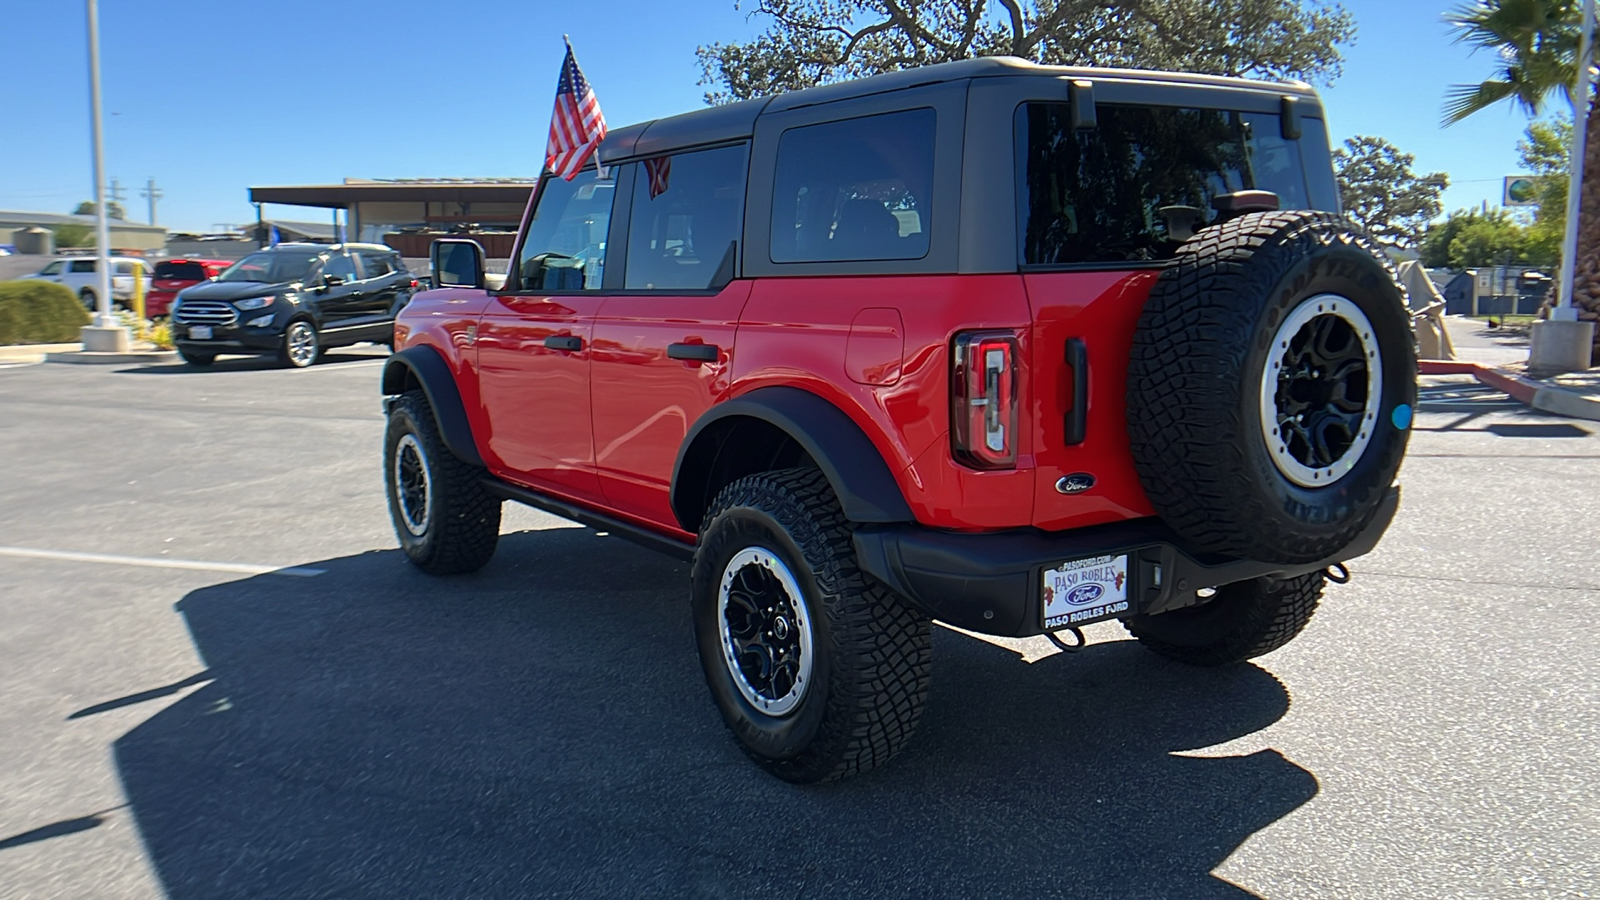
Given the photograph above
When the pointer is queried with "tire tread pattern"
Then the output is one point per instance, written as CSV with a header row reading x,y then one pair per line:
x,y
881,648
466,522
1189,355
1262,621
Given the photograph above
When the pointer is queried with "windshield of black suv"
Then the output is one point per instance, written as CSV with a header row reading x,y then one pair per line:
x,y
1114,193
272,267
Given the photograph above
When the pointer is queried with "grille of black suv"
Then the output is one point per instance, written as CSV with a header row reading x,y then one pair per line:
x,y
206,312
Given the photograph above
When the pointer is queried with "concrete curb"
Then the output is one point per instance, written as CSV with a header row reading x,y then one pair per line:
x,y
33,352
1527,391
132,357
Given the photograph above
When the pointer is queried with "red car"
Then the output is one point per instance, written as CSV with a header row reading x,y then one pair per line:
x,y
1016,348
173,275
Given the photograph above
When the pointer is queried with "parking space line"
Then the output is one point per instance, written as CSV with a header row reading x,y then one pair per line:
x,y
156,562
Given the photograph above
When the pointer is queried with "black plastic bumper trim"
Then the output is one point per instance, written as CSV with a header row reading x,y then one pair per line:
x,y
990,582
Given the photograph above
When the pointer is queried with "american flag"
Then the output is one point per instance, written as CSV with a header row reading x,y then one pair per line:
x,y
576,126
660,170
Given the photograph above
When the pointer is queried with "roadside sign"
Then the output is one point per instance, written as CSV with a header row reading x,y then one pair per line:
x,y
1521,190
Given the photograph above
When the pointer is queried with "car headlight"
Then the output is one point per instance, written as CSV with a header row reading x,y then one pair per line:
x,y
254,302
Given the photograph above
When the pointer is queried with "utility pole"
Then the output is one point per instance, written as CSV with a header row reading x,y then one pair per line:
x,y
152,194
116,193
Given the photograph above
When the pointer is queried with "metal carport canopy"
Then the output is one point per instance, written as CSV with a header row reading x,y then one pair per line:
x,y
339,196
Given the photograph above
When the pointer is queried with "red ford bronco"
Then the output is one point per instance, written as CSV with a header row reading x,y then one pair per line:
x,y
1013,347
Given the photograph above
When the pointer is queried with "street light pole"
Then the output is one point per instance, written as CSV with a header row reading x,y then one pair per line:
x,y
103,228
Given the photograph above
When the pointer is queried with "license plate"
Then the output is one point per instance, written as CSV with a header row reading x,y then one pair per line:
x,y
200,332
1081,591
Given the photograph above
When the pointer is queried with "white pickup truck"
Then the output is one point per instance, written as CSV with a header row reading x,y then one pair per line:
x,y
78,274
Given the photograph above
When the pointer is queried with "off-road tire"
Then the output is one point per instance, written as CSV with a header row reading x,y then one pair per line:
x,y
462,519
1194,396
1241,622
871,662
198,360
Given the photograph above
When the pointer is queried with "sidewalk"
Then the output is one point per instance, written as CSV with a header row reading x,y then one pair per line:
x,y
1498,357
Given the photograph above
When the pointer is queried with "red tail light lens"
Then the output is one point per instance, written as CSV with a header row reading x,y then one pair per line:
x,y
983,399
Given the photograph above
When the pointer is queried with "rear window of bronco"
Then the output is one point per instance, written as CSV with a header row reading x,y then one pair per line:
x,y
1096,195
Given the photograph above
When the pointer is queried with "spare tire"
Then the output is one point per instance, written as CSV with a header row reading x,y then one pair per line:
x,y
1271,385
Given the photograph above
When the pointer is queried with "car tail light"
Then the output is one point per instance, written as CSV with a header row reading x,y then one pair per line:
x,y
983,399
413,284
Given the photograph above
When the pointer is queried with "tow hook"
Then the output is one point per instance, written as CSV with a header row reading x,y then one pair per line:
x,y
1338,573
1066,647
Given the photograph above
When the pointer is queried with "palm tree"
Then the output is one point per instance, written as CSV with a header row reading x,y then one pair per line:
x,y
1537,42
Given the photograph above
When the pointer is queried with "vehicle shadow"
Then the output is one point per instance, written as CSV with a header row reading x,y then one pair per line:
x,y
343,355
542,728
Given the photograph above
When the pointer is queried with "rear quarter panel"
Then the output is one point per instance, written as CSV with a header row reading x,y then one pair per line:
x,y
795,332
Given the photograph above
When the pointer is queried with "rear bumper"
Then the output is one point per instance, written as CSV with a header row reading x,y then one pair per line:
x,y
991,582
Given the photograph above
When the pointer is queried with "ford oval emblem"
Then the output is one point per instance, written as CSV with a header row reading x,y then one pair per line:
x,y
1076,483
1085,593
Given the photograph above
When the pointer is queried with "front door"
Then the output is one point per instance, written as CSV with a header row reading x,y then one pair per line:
x,y
663,347
338,293
534,342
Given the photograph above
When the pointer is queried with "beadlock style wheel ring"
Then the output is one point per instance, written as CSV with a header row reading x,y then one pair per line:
x,y
413,485
1320,391
765,632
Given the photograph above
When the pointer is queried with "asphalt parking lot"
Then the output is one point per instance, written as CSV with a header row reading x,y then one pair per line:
x,y
181,720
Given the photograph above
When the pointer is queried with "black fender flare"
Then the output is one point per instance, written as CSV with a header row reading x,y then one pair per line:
x,y
428,368
865,486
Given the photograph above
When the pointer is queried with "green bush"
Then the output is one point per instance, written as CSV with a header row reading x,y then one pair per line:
x,y
39,312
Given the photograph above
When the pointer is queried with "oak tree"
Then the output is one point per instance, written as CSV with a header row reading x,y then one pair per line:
x,y
811,42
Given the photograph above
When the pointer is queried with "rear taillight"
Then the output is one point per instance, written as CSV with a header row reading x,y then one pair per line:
x,y
983,399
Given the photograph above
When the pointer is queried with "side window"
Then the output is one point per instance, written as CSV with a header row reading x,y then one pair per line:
x,y
374,265
565,248
122,268
687,213
82,265
52,269
856,189
340,265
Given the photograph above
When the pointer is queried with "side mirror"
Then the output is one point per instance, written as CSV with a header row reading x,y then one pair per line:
x,y
456,262
332,280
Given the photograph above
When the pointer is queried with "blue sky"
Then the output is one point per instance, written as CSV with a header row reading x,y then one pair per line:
x,y
213,97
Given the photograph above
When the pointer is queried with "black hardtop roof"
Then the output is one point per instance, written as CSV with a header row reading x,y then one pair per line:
x,y
735,121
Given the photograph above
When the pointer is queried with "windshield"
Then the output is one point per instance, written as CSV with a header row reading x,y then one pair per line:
x,y
270,267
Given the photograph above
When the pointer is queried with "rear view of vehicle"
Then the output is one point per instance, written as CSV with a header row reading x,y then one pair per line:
x,y
1010,347
171,276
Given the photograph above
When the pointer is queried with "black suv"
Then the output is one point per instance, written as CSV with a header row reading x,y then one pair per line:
x,y
294,300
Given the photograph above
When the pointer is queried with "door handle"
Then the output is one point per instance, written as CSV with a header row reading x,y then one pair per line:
x,y
563,342
694,352
1077,420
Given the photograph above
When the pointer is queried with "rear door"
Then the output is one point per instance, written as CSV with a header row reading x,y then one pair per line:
x,y
664,345
534,341
80,274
